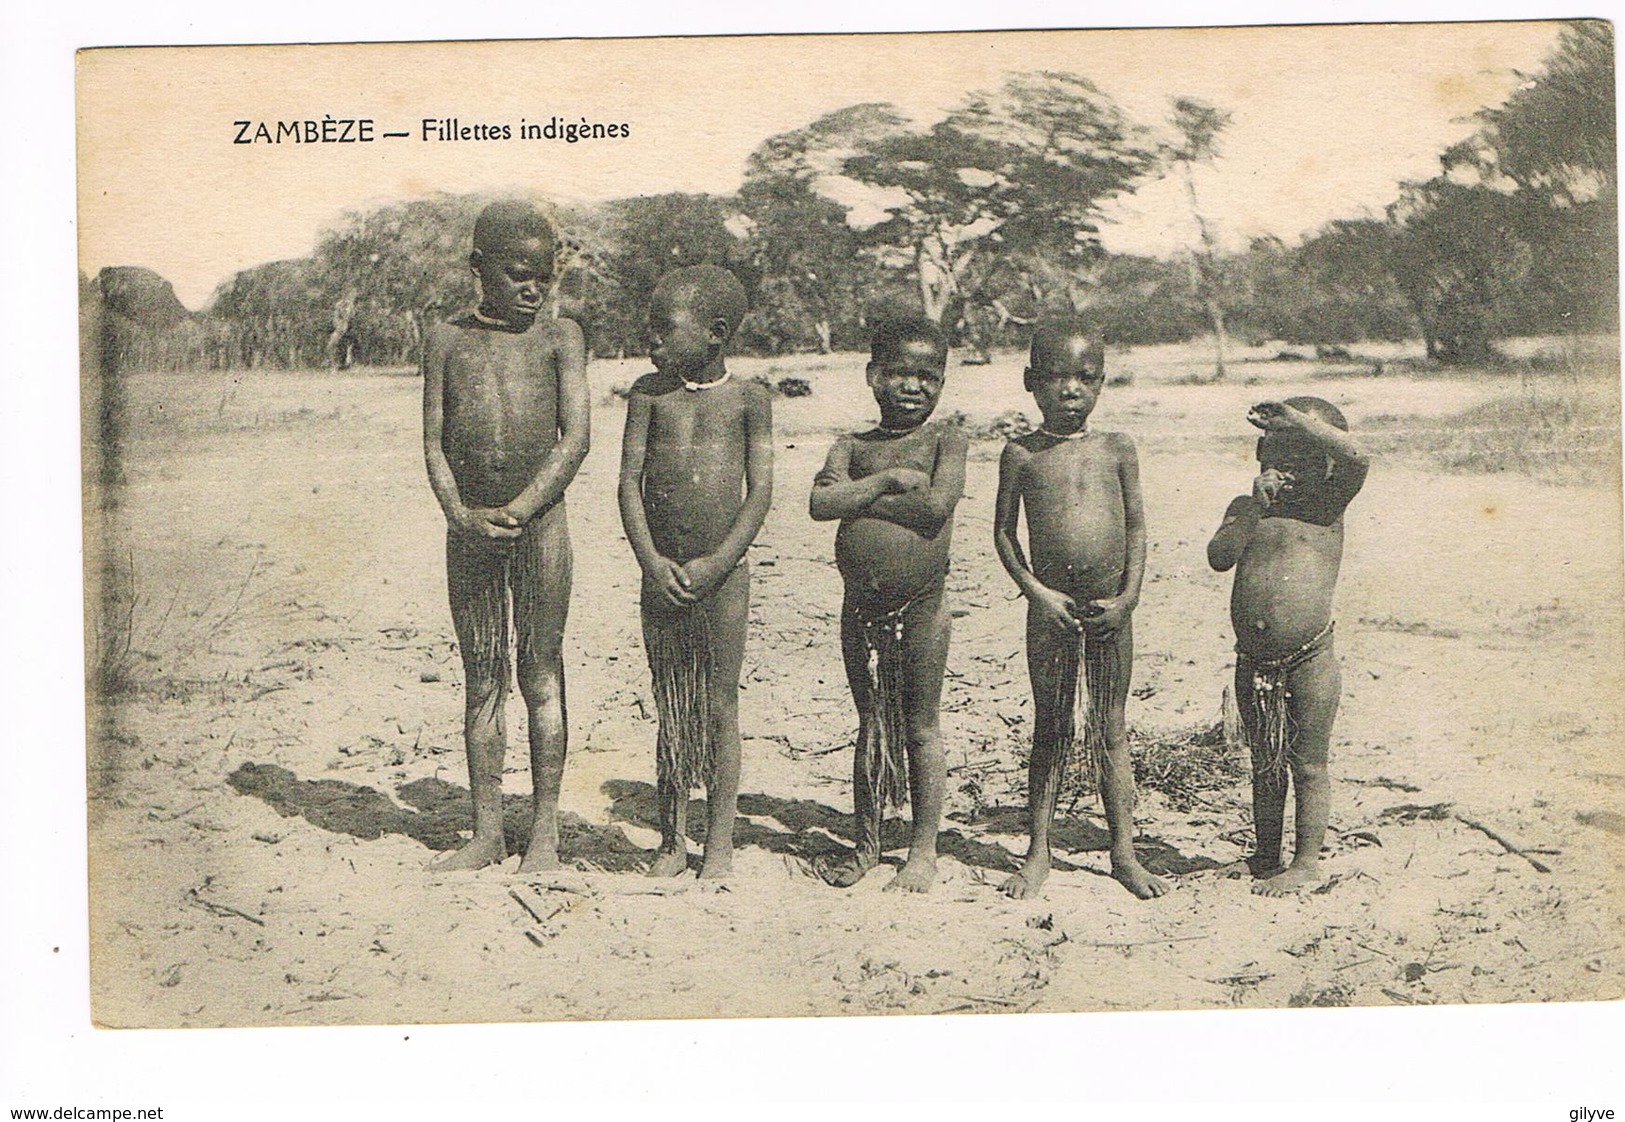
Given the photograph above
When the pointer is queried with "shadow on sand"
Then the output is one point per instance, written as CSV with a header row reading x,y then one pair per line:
x,y
440,811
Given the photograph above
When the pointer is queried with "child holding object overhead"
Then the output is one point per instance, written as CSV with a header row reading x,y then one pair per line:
x,y
1285,541
696,481
894,488
1080,490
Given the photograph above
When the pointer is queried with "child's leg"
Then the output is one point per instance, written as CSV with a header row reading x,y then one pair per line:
x,y
1269,781
476,580
1109,663
729,608
671,795
926,629
541,602
1048,664
1317,686
847,871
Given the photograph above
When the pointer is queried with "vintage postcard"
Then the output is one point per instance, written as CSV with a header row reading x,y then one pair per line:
x,y
833,525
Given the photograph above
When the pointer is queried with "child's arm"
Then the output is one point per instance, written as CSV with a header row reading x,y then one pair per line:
x,y
1240,520
1056,608
703,575
1113,612
562,462
481,521
835,494
665,573
925,510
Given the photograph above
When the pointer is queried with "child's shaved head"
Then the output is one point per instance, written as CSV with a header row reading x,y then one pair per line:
x,y
893,334
510,221
1058,344
710,291
1325,410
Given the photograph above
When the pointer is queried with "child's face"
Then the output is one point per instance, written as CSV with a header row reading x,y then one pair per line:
x,y
513,278
908,384
1066,386
680,341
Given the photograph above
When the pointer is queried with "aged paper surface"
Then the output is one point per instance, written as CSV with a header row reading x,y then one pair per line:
x,y
277,746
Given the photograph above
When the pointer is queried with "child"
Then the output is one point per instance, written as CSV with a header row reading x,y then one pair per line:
x,y
696,480
1086,533
1285,541
505,419
894,488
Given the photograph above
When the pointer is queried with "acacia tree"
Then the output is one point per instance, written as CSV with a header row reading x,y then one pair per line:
x,y
1198,125
1022,171
809,258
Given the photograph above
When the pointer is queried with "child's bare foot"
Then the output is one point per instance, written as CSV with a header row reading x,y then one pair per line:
x,y
668,863
540,859
477,854
1025,883
1137,879
1254,866
1289,881
918,874
717,864
845,871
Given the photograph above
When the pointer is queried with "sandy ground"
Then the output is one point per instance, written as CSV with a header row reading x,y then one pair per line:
x,y
289,754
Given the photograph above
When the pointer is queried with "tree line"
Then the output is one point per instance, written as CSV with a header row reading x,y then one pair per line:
x,y
987,220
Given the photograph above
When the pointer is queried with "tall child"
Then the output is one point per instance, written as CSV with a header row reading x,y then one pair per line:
x,y
894,488
505,427
696,481
1086,534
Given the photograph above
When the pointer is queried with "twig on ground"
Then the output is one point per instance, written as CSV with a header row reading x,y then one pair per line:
x,y
1540,866
222,909
1144,942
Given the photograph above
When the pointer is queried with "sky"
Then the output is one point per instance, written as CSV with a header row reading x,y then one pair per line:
x,y
1327,121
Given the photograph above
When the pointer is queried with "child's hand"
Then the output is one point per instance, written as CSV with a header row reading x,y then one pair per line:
x,y
674,583
1057,610
902,480
1275,416
1103,616
703,575
1270,485
488,522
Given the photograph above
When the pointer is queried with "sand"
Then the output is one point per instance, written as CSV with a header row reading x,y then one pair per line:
x,y
287,756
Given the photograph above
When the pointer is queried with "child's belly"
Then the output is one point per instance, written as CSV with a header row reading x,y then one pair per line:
x,y
1282,596
886,565
1079,551
492,474
691,513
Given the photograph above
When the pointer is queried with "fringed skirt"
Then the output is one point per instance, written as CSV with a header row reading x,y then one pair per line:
x,y
1095,692
1271,704
679,648
885,723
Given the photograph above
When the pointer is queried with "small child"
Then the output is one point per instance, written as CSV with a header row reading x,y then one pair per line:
x,y
1086,533
696,481
894,488
1285,541
505,420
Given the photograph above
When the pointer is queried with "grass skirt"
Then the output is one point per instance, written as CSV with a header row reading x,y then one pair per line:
x,y
1271,704
680,663
885,741
1094,692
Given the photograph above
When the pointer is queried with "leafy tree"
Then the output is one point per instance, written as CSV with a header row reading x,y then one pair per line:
x,y
1020,172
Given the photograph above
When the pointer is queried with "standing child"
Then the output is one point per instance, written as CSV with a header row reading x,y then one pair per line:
x,y
1285,541
1086,534
894,488
696,481
505,416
